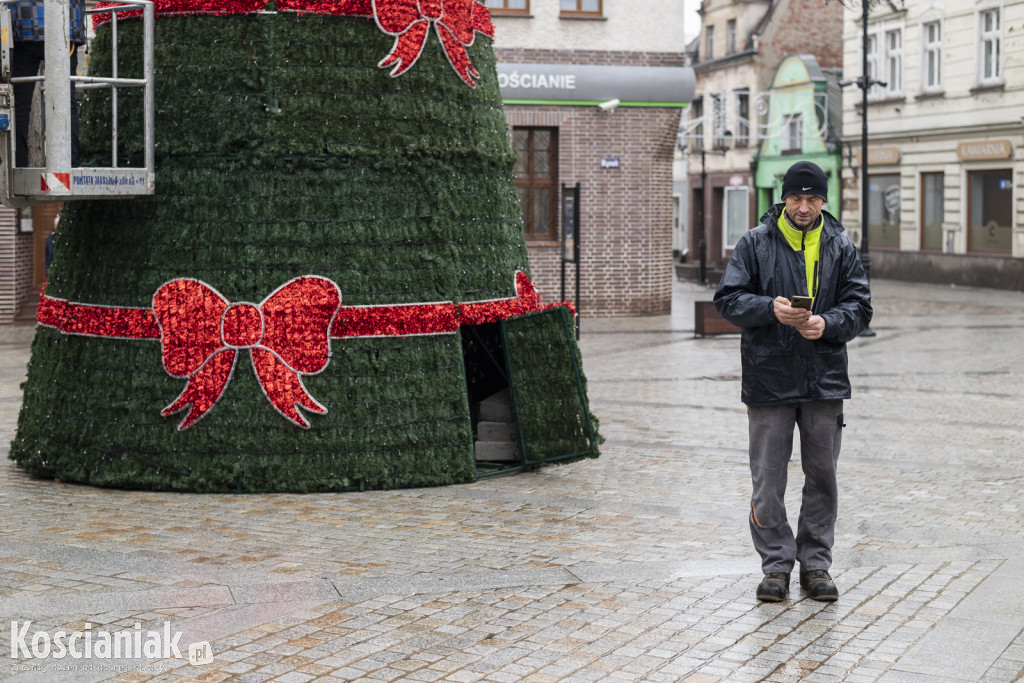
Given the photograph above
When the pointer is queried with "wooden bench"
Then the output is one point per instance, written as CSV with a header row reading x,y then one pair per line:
x,y
706,320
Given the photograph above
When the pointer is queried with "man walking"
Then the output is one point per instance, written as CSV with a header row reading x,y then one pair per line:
x,y
794,371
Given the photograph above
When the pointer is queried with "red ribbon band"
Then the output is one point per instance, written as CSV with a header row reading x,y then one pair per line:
x,y
287,335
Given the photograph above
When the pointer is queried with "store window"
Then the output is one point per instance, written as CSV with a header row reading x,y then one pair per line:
x,y
931,71
590,8
499,7
884,211
536,174
932,212
990,211
990,44
735,219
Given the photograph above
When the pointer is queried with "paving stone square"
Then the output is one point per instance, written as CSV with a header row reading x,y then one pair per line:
x,y
634,567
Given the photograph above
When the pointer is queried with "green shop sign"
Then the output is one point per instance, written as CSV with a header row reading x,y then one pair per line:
x,y
605,86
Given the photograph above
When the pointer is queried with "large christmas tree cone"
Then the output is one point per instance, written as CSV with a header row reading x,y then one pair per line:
x,y
330,281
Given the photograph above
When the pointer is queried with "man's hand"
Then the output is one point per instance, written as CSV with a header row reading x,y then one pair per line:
x,y
787,315
809,326
813,328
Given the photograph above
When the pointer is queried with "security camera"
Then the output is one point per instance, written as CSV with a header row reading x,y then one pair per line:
x,y
610,105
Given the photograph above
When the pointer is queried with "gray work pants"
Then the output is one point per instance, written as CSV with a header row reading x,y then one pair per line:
x,y
771,445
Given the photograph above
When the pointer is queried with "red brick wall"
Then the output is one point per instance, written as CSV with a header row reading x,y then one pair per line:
x,y
625,214
15,264
802,27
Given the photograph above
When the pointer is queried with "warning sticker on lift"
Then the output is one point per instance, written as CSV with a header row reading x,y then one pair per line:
x,y
106,180
81,182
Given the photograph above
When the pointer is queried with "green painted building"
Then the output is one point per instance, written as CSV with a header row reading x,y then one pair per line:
x,y
801,123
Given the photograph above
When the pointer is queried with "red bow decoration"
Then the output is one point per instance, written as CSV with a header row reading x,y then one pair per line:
x,y
287,335
455,22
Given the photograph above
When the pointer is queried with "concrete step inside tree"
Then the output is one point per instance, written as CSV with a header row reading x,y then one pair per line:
x,y
496,430
335,212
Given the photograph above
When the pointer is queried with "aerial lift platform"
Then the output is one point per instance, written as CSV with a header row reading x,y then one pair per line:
x,y
58,181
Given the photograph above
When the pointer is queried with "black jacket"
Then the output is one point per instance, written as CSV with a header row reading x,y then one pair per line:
x,y
780,366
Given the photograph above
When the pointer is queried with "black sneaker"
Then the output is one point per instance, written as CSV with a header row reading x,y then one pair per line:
x,y
774,587
819,585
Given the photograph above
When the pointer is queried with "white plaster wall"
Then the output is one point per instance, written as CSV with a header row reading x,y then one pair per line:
x,y
632,25
959,107
927,130
728,80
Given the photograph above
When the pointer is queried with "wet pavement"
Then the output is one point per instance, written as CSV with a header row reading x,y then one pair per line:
x,y
634,567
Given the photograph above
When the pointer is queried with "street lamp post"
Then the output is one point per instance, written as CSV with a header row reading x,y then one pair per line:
x,y
865,86
720,145
865,256
702,246
864,83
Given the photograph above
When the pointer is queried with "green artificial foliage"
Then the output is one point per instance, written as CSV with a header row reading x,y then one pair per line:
x,y
283,150
549,389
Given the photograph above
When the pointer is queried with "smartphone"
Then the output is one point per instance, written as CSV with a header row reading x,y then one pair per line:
x,y
801,302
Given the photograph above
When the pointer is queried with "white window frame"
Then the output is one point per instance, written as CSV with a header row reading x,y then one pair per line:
x,y
719,122
793,122
986,38
879,59
501,7
709,43
725,213
742,135
894,61
874,40
698,124
931,49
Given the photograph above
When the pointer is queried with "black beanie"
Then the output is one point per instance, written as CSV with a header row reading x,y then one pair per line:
x,y
805,177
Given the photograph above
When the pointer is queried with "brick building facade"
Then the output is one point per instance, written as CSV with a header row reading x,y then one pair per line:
x,y
799,27
626,213
621,156
23,236
739,49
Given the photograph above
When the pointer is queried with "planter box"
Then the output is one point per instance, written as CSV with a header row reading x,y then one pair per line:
x,y
706,320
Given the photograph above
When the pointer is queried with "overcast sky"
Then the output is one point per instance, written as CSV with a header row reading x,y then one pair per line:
x,y
692,19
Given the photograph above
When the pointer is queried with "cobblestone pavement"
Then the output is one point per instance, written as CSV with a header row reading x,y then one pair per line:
x,y
636,566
